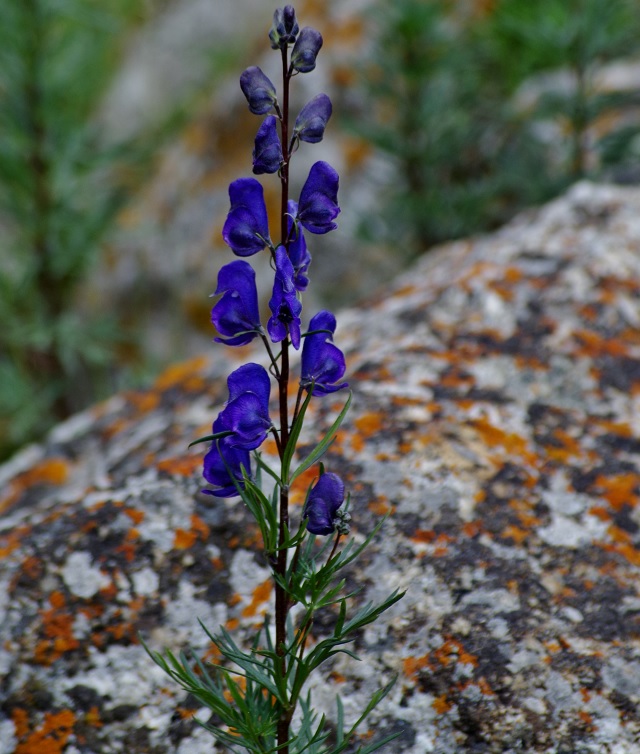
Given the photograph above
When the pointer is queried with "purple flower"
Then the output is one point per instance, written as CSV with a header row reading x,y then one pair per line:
x,y
223,465
246,229
298,252
267,152
285,27
312,119
258,89
325,497
284,304
236,315
322,363
305,50
318,205
247,411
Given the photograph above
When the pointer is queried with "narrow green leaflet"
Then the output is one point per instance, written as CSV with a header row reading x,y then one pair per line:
x,y
324,444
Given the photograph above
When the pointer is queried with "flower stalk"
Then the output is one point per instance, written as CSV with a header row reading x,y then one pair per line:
x,y
265,683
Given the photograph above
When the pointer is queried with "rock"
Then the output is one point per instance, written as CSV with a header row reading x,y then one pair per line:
x,y
495,417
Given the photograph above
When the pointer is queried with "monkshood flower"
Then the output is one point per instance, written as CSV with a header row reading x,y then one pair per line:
x,y
325,497
246,414
285,27
267,152
246,229
236,315
322,363
298,252
284,303
258,89
223,464
305,50
318,205
312,119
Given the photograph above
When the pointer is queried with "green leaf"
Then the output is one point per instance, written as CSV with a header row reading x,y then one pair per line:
x,y
293,440
324,444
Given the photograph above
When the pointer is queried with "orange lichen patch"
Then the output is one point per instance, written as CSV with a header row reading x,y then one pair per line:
x,y
31,567
619,535
93,718
127,549
502,290
184,539
144,402
512,274
568,447
586,718
553,646
20,719
484,687
184,375
627,551
422,536
619,489
298,492
441,704
619,428
51,737
200,527
260,595
516,534
269,447
381,507
357,443
185,465
513,443
471,528
53,471
405,291
601,512
411,665
135,515
58,629
454,651
596,345
115,428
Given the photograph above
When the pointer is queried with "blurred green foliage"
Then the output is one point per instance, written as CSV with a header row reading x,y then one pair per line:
x,y
60,189
446,82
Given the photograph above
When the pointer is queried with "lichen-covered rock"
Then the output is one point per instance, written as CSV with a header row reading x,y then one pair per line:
x,y
496,417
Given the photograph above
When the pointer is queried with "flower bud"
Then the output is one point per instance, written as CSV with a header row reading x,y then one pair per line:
x,y
321,509
312,119
285,27
305,50
258,89
267,152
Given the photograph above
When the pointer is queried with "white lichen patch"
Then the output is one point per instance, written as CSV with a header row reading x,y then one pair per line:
x,y
82,577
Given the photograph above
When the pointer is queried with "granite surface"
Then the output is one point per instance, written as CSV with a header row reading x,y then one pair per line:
x,y
496,417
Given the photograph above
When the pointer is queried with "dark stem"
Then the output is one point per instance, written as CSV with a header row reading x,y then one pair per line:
x,y
282,602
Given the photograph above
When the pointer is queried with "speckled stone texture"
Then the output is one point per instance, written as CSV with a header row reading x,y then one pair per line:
x,y
495,416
